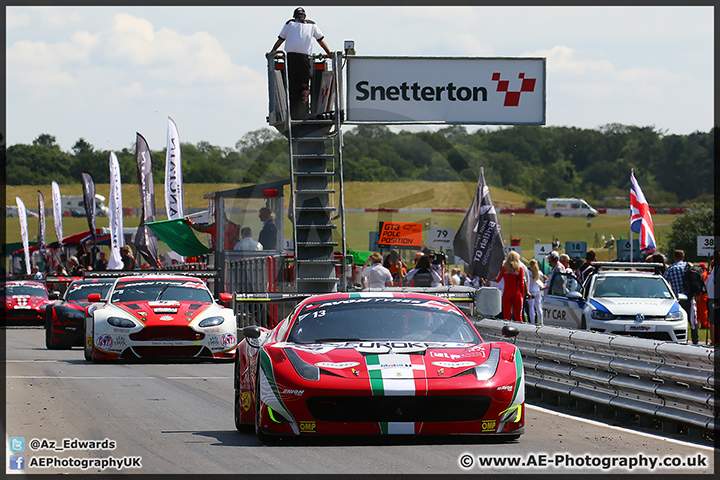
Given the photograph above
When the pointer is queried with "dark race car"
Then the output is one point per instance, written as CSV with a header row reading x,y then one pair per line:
x,y
376,363
65,319
24,302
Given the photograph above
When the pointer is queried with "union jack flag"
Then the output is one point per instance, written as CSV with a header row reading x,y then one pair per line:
x,y
640,220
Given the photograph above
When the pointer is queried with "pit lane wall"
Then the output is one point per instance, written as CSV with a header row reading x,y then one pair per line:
x,y
658,381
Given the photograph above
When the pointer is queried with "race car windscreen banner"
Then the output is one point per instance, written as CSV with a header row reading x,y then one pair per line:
x,y
88,186
145,239
117,241
173,174
57,211
22,216
479,241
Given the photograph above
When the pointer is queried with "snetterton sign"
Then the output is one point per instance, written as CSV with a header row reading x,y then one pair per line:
x,y
495,91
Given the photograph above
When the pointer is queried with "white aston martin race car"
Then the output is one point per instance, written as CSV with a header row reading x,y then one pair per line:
x,y
160,316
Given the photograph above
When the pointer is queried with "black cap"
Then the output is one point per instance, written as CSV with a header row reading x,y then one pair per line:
x,y
300,11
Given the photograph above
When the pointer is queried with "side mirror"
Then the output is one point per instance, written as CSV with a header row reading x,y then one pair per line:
x,y
226,297
509,331
251,331
94,298
682,296
54,295
574,295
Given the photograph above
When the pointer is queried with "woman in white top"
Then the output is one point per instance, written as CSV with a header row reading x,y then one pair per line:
x,y
537,281
423,275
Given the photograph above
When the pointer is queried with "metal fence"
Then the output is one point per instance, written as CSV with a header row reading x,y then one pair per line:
x,y
659,381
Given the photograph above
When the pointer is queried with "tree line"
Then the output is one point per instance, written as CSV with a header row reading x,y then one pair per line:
x,y
536,161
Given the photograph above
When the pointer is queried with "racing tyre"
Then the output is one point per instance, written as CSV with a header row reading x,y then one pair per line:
x,y
49,343
262,436
88,349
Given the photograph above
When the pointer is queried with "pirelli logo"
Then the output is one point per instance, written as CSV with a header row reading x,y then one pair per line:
x,y
308,426
488,425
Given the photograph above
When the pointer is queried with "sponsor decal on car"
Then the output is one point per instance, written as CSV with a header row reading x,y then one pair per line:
x,y
307,426
298,393
165,309
488,425
228,340
245,401
105,341
454,364
166,318
338,365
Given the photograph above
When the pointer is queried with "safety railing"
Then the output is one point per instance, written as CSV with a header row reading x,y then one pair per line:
x,y
658,381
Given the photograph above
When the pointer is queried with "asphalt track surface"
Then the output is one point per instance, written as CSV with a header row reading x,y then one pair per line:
x,y
178,419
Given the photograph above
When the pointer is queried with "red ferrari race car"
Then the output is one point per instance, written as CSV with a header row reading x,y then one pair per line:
x,y
24,302
377,363
153,316
65,318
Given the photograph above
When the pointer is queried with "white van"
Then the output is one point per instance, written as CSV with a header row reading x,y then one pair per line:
x,y
569,207
76,205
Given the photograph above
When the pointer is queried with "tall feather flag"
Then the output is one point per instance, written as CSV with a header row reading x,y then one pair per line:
x,y
145,239
479,241
117,240
22,216
42,240
88,188
640,219
57,211
174,196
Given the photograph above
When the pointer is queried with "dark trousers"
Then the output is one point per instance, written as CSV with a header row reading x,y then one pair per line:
x,y
299,70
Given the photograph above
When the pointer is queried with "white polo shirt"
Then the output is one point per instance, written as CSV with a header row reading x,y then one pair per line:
x,y
298,35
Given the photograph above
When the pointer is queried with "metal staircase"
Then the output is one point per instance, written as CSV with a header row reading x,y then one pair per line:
x,y
315,150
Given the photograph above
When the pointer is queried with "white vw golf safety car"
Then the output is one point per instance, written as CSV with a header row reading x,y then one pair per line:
x,y
159,316
619,299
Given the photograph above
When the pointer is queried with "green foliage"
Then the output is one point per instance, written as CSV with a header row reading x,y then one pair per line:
x,y
697,221
536,161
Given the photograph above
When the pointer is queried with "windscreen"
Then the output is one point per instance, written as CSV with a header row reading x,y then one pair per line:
x,y
628,287
155,290
381,319
78,292
32,290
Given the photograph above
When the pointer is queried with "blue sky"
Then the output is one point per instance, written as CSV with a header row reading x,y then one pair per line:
x,y
104,73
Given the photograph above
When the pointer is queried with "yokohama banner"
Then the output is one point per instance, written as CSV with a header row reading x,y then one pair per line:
x,y
145,239
117,241
491,91
173,174
57,211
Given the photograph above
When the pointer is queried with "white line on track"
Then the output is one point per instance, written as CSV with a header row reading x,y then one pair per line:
x,y
613,427
122,377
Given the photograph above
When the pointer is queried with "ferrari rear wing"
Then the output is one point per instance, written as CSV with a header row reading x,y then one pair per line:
x,y
483,301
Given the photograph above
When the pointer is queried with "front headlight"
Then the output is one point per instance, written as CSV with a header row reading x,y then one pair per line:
x,y
121,322
304,369
674,316
211,321
486,370
75,315
600,315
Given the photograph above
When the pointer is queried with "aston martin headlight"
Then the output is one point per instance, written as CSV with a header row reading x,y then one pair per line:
x,y
121,322
486,370
304,369
674,316
600,315
211,321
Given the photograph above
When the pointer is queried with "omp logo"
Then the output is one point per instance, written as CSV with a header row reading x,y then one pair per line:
x,y
512,99
488,425
307,426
